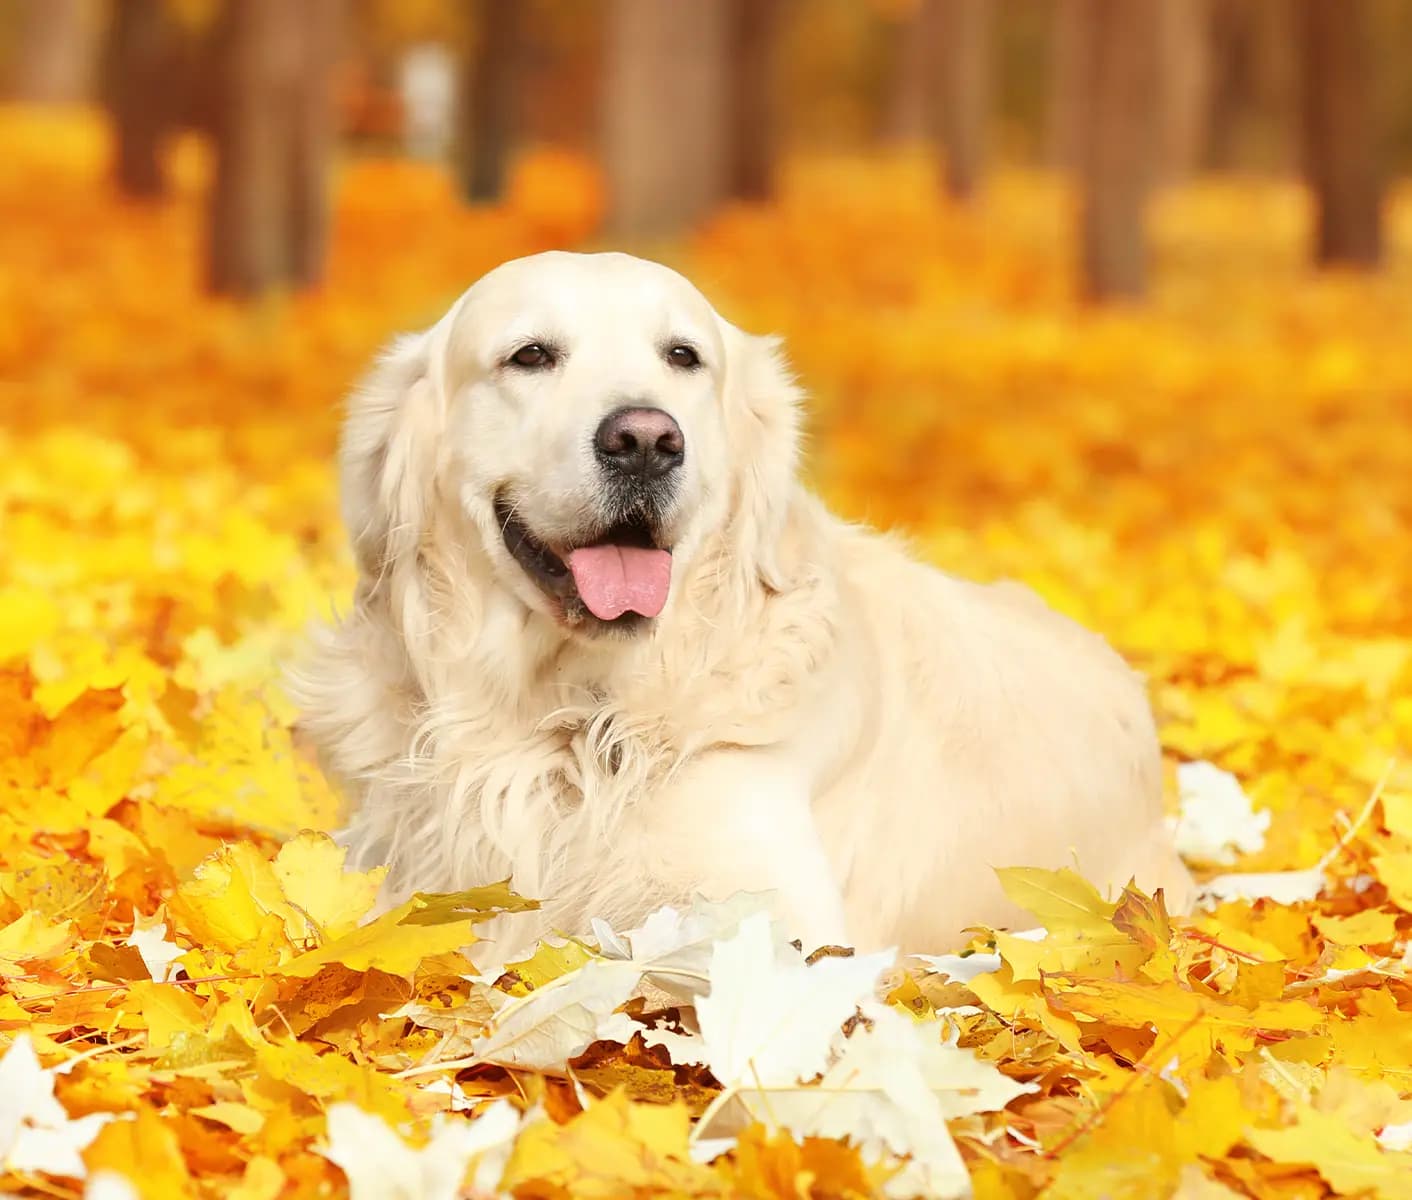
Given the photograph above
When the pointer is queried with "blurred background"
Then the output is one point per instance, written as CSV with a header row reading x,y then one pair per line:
x,y
1109,295
662,111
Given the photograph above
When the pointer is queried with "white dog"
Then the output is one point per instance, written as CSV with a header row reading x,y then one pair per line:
x,y
606,644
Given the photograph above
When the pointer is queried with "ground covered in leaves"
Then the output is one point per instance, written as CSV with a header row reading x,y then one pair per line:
x,y
1221,482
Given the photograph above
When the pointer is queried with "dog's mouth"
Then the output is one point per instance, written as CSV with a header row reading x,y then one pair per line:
x,y
617,577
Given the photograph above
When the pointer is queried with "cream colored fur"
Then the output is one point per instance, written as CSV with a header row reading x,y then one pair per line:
x,y
814,713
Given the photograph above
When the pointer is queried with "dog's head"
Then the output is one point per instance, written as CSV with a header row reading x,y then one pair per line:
x,y
574,431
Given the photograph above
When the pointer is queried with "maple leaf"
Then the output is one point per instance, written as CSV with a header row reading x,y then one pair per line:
x,y
768,1020
612,1147
1349,1161
36,1133
574,999
158,954
770,1025
419,928
1217,822
381,1166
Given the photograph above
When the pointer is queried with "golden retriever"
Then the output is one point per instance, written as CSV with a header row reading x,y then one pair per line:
x,y
605,643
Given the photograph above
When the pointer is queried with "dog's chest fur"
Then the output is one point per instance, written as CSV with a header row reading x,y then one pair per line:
x,y
459,779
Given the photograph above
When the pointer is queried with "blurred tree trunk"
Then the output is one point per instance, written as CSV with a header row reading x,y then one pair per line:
x,y
907,117
1232,80
140,71
489,99
1067,70
941,86
1184,38
1340,140
665,100
754,120
1114,47
56,43
273,128
964,86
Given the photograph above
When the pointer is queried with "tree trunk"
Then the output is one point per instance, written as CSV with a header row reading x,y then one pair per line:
x,y
1184,37
1232,80
141,75
664,103
273,134
1340,142
56,44
911,98
964,85
1115,44
1068,73
489,100
754,121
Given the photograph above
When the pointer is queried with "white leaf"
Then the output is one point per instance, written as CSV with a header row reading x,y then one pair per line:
x,y
890,1090
36,1133
1396,1137
671,950
454,1092
550,1025
1217,821
610,944
771,1018
1283,887
158,954
381,1166
109,1185
961,968
674,948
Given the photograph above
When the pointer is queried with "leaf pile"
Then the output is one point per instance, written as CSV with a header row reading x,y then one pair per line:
x,y
191,1001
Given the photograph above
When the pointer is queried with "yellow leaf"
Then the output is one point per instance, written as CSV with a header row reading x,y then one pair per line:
x,y
1371,927
234,899
1395,871
1397,812
239,1117
329,1077
27,616
263,1180
397,941
1169,1007
1128,1155
612,1148
33,936
311,876
168,1011
390,944
1059,900
1350,1162
146,1152
547,963
1378,1038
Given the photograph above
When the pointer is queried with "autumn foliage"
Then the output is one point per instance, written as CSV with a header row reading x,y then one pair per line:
x,y
1220,481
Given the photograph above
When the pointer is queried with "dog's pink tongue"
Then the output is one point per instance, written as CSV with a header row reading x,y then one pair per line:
x,y
613,579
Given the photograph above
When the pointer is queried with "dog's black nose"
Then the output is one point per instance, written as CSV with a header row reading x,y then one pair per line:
x,y
644,442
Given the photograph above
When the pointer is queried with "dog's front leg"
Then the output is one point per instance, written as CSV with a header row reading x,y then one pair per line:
x,y
741,821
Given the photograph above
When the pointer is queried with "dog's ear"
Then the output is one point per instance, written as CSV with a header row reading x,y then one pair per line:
x,y
762,405
387,457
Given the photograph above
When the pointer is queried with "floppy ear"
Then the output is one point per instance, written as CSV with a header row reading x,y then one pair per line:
x,y
389,447
762,405
387,456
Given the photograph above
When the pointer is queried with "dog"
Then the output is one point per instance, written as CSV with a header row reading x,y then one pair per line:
x,y
606,644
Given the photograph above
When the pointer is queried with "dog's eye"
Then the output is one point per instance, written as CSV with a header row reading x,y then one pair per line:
x,y
533,355
684,357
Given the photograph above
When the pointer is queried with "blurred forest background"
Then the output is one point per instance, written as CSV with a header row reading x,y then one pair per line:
x,y
1108,296
685,105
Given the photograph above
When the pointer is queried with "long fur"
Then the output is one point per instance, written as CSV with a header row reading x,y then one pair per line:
x,y
809,691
